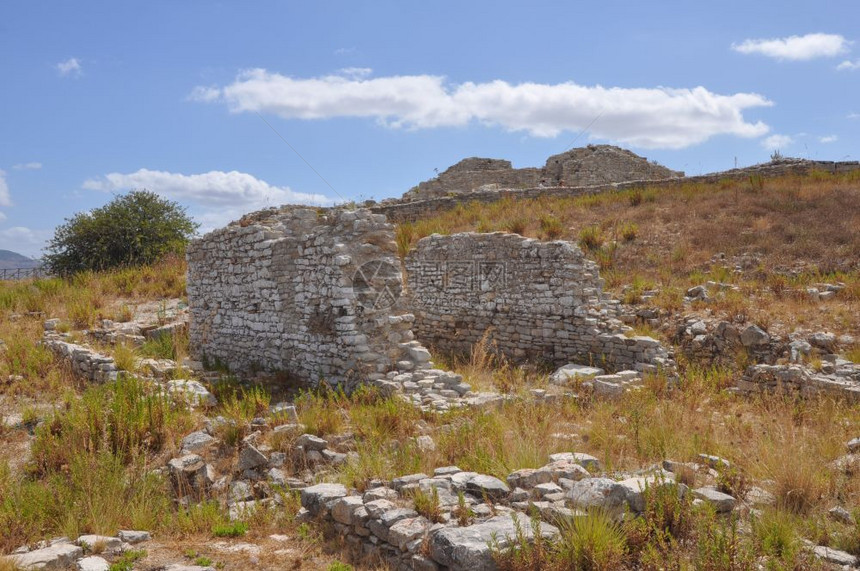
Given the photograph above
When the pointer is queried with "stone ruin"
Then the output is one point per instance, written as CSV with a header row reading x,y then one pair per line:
x,y
316,294
280,291
585,166
533,300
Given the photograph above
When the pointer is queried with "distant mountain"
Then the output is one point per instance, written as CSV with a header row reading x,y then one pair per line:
x,y
9,259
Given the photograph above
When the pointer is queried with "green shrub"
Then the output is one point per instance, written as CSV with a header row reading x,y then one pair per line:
x,y
127,559
133,229
591,543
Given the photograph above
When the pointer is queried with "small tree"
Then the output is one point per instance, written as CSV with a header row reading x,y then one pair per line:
x,y
136,228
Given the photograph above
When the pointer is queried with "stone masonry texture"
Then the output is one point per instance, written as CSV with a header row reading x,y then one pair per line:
x,y
585,166
310,292
533,300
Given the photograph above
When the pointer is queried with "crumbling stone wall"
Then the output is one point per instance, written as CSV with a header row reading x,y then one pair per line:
x,y
309,292
475,172
591,165
414,206
602,164
536,300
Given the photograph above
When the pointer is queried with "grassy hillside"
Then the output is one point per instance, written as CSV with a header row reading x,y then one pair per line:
x,y
78,458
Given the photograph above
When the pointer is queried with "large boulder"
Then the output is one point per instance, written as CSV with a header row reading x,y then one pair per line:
x,y
602,493
468,548
57,556
318,499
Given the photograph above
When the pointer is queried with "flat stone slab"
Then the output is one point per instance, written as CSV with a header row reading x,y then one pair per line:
x,y
834,556
468,548
93,563
196,442
58,556
489,486
601,493
572,372
723,503
133,536
316,498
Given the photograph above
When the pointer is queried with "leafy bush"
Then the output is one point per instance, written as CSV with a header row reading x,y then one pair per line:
x,y
133,229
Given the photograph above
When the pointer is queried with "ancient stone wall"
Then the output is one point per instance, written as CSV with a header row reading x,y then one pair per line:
x,y
601,164
83,361
474,173
535,300
591,165
413,207
308,292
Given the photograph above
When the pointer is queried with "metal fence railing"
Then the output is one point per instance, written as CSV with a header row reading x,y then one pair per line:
x,y
22,273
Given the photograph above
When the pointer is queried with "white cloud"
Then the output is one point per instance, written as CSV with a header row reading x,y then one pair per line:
x,y
214,198
355,72
853,116
796,48
848,65
204,94
32,166
24,240
69,68
776,142
344,51
828,139
5,198
657,117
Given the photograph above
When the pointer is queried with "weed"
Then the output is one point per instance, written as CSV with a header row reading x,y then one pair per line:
x,y
628,231
463,512
551,227
591,237
427,504
127,559
721,547
516,225
124,357
404,235
234,529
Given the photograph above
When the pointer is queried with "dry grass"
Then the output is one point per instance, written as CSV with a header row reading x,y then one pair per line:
x,y
802,229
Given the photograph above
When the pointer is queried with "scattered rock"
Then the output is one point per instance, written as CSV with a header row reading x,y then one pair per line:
x,y
196,442
57,556
311,442
572,372
834,556
754,336
722,503
93,563
131,536
597,493
468,548
250,458
841,515
316,498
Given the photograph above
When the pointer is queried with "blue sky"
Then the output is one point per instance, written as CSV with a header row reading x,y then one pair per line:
x,y
182,97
